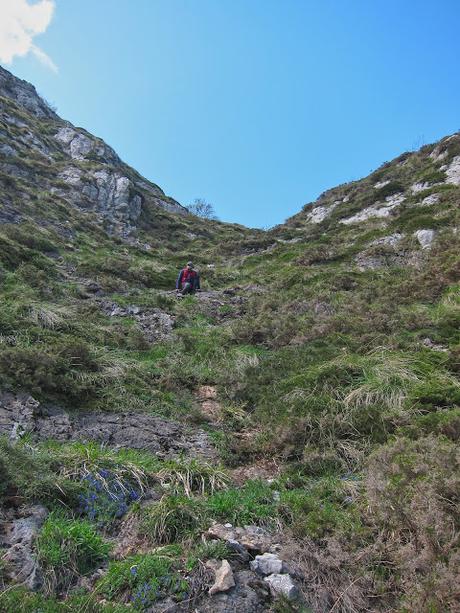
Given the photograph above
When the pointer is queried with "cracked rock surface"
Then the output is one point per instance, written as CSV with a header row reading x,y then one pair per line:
x,y
165,438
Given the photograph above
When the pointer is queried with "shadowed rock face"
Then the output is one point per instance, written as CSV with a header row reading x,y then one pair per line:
x,y
18,537
81,169
167,439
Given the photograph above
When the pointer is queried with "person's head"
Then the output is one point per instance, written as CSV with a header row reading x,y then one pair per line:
x,y
190,265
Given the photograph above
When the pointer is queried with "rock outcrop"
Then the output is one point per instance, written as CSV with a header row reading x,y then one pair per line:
x,y
20,414
81,170
25,95
17,537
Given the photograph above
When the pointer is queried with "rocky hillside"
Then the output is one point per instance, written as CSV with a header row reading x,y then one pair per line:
x,y
285,440
72,167
51,172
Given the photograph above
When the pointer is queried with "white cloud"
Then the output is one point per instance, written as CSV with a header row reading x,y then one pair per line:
x,y
19,23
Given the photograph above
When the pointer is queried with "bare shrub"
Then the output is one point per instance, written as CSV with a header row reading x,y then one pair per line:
x,y
413,491
201,208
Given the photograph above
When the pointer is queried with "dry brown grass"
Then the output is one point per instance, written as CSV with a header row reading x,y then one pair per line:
x,y
413,491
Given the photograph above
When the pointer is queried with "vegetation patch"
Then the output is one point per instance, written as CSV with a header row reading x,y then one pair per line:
x,y
68,549
143,579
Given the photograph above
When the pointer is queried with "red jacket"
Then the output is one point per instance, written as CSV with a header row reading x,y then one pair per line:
x,y
188,276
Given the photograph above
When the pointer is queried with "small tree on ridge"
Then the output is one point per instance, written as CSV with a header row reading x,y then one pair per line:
x,y
201,208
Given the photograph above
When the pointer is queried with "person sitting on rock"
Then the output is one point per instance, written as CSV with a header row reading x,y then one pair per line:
x,y
188,281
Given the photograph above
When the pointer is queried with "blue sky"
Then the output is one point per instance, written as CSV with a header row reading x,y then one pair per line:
x,y
255,105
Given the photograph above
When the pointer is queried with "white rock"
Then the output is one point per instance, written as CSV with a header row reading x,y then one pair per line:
x,y
267,564
76,144
224,579
71,175
376,210
425,238
80,146
282,584
419,187
453,171
431,199
436,154
395,199
381,184
319,213
65,135
392,240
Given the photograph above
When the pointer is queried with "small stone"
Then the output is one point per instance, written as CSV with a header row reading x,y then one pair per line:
x,y
282,585
267,564
425,238
238,548
224,579
254,538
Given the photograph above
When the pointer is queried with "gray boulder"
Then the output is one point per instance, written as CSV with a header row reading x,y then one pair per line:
x,y
21,563
425,238
283,585
267,564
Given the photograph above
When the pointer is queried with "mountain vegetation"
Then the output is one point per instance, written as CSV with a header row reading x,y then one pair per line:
x,y
304,405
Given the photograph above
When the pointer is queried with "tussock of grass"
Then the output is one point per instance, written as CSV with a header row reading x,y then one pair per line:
x,y
192,477
174,518
68,549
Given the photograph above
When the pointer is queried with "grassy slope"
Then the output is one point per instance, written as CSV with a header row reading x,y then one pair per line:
x,y
326,372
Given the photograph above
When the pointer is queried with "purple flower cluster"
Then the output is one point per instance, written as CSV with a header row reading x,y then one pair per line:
x,y
144,596
146,592
105,497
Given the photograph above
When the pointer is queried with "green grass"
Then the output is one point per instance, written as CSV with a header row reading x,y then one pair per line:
x,y
251,504
19,600
143,579
68,549
325,372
